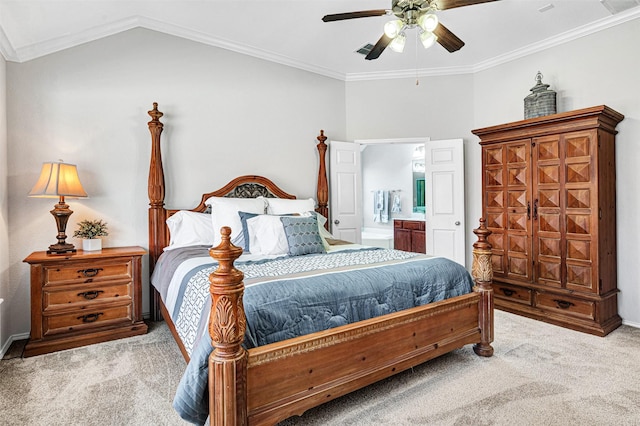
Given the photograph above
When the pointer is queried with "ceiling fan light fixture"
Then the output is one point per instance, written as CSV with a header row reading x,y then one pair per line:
x,y
428,39
397,45
393,28
428,22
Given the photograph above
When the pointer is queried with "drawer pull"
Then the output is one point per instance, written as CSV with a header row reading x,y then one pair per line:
x,y
90,317
91,272
563,304
507,292
90,295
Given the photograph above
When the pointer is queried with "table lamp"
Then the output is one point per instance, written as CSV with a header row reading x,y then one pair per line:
x,y
58,179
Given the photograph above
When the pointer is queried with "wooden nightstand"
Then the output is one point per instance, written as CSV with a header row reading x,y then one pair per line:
x,y
84,298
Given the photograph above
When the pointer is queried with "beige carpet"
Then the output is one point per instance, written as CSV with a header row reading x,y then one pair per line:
x,y
540,375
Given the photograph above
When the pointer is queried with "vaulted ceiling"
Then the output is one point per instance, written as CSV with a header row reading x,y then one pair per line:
x,y
292,32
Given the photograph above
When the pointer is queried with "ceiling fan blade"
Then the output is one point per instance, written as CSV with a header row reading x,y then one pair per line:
x,y
377,50
447,39
450,4
353,15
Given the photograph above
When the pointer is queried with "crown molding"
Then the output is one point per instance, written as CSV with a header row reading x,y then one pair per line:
x,y
422,72
560,39
37,50
557,40
6,49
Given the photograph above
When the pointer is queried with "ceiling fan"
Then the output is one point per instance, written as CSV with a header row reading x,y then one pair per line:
x,y
418,14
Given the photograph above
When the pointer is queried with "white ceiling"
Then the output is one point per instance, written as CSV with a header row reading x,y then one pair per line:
x,y
292,32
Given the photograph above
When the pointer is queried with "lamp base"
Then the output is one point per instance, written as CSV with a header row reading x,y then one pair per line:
x,y
61,249
61,213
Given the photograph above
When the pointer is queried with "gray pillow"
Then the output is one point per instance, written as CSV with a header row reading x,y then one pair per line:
x,y
302,235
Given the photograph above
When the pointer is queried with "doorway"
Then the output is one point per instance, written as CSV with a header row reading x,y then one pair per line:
x,y
428,186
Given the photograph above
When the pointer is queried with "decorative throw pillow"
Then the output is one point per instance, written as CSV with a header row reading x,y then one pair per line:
x,y
302,235
245,230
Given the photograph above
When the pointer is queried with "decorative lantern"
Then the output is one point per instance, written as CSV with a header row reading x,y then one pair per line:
x,y
541,101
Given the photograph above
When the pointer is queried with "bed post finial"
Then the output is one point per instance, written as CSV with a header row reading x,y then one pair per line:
x,y
482,271
227,326
323,186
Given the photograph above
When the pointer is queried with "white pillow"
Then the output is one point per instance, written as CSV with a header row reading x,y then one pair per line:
x,y
286,206
190,229
224,212
267,236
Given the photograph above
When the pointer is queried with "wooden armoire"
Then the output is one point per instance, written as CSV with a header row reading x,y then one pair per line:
x,y
549,198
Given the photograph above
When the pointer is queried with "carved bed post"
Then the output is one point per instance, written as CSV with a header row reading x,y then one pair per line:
x,y
482,272
157,213
227,325
323,186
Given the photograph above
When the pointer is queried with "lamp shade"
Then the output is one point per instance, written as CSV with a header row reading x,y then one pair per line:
x,y
397,44
58,179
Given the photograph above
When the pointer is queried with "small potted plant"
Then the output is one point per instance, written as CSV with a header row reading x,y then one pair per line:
x,y
89,231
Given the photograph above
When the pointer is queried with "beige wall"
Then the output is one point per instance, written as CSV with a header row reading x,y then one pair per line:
x,y
226,114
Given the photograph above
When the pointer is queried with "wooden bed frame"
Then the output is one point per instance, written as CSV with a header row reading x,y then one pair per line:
x,y
267,384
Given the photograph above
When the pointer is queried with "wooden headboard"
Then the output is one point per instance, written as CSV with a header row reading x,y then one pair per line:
x,y
248,186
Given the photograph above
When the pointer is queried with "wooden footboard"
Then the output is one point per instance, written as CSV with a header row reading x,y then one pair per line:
x,y
270,383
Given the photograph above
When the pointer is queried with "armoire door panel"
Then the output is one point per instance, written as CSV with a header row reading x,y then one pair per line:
x,y
548,149
496,221
549,198
549,174
578,173
549,222
497,241
549,247
517,199
518,222
579,277
550,272
495,199
578,198
518,176
578,250
578,144
519,267
579,224
519,244
493,156
493,177
518,152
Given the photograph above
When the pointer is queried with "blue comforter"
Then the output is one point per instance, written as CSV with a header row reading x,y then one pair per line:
x,y
290,297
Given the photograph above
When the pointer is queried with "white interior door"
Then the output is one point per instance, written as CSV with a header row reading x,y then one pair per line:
x,y
345,191
444,199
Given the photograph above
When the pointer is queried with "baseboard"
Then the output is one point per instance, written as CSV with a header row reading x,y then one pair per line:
x,y
9,341
631,324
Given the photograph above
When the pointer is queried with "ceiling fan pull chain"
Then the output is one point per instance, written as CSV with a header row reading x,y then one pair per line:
x,y
416,50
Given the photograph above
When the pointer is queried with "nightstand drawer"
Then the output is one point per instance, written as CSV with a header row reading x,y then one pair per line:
x,y
566,305
86,272
84,296
84,319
